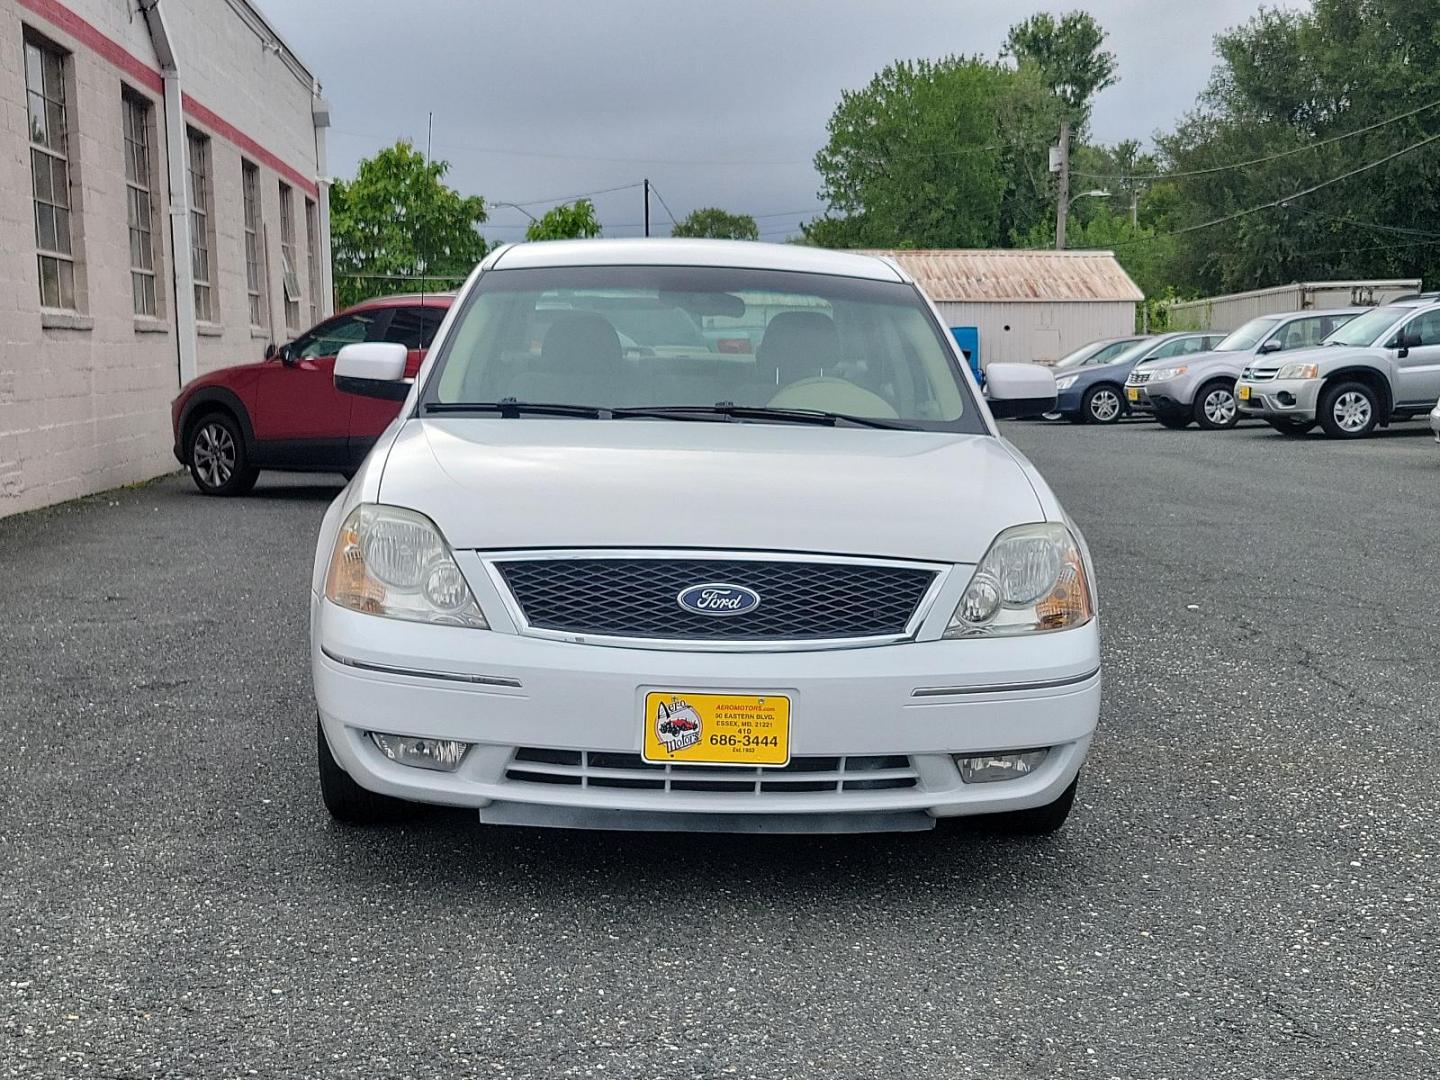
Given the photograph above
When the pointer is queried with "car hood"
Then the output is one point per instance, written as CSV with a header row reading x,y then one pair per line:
x,y
1328,356
1205,361
502,484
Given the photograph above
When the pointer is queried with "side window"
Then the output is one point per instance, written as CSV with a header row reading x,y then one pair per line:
x,y
330,337
1302,333
1427,326
1179,347
414,327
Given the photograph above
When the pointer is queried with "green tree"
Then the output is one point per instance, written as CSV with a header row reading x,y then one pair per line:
x,y
1287,82
398,220
1140,249
568,221
1069,54
717,224
944,153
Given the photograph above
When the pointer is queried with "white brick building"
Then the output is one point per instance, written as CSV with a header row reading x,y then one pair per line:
x,y
161,164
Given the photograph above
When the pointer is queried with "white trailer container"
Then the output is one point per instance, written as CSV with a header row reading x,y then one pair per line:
x,y
1236,309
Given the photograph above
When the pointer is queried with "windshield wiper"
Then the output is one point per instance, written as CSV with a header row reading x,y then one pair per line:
x,y
728,411
510,409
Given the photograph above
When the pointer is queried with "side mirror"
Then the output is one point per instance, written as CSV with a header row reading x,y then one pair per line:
x,y
1019,390
270,351
1270,346
1409,339
373,369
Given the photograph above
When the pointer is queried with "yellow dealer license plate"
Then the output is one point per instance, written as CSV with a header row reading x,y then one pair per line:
x,y
1244,393
1132,393
716,729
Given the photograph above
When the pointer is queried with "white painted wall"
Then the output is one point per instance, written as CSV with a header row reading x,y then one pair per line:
x,y
1039,330
85,397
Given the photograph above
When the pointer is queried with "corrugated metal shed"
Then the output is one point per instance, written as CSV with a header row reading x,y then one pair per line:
x,y
1010,275
1235,309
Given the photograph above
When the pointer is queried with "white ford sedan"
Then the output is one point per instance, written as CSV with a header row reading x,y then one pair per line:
x,y
700,535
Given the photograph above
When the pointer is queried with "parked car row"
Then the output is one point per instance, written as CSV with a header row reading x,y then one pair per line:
x,y
1347,371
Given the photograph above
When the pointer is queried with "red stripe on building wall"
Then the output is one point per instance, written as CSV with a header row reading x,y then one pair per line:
x,y
94,40
247,145
64,19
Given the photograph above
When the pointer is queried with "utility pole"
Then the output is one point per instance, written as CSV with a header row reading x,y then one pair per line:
x,y
1061,165
1134,205
647,206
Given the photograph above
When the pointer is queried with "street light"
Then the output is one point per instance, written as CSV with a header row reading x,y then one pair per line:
x,y
1098,193
516,206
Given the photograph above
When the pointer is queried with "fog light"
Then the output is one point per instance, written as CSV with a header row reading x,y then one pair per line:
x,y
988,768
441,755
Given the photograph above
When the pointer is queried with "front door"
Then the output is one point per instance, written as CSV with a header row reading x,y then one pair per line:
x,y
301,420
1417,374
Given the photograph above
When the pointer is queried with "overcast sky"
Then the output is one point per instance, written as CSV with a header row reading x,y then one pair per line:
x,y
718,102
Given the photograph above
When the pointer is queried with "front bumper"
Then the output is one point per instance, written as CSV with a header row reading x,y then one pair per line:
x,y
1155,399
1435,421
1292,398
921,701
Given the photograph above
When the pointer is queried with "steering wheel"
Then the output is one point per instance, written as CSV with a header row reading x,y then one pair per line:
x,y
833,395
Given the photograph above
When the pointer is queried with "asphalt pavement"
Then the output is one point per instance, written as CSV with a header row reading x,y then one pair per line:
x,y
1248,886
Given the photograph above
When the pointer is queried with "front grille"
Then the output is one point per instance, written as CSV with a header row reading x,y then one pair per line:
x,y
1138,378
1259,374
638,597
804,775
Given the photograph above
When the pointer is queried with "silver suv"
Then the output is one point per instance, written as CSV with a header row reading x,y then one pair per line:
x,y
1202,388
1381,366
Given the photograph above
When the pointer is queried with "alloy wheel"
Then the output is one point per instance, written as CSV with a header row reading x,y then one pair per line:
x,y
1105,406
214,454
1351,411
1219,407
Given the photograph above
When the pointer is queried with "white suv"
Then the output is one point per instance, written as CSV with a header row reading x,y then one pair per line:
x,y
809,588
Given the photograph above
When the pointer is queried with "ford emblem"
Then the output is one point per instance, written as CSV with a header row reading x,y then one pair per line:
x,y
718,599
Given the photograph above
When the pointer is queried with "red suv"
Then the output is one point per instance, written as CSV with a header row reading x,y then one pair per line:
x,y
284,412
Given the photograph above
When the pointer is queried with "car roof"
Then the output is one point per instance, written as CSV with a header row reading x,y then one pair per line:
x,y
424,299
741,254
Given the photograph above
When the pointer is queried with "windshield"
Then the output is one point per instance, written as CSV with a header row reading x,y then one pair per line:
x,y
647,337
1370,328
1249,335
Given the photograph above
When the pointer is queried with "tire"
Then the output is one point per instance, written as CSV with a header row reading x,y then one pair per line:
x,y
1291,428
1349,410
1102,404
346,800
1215,407
1036,821
1173,421
215,449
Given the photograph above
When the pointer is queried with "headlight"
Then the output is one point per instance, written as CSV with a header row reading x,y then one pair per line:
x,y
1031,581
393,562
1066,381
1298,371
1161,374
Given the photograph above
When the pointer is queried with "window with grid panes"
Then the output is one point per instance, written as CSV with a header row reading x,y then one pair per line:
x,y
290,279
312,255
254,267
201,224
139,207
50,173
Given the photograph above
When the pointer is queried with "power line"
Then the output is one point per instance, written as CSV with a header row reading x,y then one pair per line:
x,y
1283,200
663,203
1260,160
569,198
512,152
1373,226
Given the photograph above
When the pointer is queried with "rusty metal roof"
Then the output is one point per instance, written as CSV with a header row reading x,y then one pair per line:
x,y
1009,274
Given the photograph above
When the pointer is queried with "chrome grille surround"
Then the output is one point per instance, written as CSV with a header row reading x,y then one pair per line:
x,y
902,592
802,776
1259,374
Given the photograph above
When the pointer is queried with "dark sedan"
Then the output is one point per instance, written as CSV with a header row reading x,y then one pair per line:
x,y
1094,393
